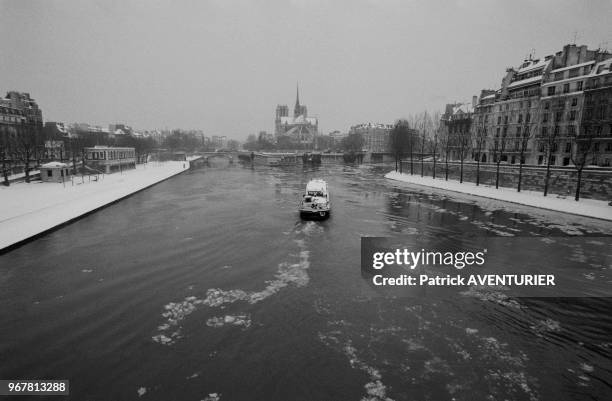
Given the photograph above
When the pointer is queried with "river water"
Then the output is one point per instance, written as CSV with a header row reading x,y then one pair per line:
x,y
209,286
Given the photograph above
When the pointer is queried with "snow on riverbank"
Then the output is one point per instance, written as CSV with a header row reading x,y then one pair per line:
x,y
585,207
30,209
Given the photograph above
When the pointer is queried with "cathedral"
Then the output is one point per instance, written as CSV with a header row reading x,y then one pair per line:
x,y
300,127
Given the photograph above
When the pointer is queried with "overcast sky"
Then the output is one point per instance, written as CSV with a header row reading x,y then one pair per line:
x,y
223,65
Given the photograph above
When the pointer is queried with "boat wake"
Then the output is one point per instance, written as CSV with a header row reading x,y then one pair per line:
x,y
288,273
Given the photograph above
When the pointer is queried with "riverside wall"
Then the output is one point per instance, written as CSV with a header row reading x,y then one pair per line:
x,y
596,183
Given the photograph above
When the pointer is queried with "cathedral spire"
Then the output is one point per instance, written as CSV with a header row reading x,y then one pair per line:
x,y
297,98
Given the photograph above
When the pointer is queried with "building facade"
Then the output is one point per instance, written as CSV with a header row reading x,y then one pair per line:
x,y
375,136
23,101
300,128
110,159
455,125
537,111
597,115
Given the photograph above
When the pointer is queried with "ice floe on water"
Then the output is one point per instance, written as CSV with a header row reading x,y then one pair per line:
x,y
375,389
546,326
212,397
288,273
485,294
141,391
86,271
231,320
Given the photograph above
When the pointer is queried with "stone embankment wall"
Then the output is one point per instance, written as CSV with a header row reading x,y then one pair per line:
x,y
596,183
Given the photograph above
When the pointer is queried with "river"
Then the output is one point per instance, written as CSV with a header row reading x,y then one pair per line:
x,y
209,286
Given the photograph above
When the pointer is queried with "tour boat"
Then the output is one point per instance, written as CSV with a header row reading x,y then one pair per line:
x,y
315,202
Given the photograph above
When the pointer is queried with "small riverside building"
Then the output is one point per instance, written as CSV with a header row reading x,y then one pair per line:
x,y
54,172
110,159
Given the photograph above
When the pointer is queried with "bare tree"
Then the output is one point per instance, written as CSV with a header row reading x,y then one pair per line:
x,y
26,142
499,148
528,130
479,141
463,144
550,134
435,129
445,144
399,140
6,151
424,130
584,150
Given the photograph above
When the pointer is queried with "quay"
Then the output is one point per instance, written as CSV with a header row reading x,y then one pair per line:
x,y
30,210
593,208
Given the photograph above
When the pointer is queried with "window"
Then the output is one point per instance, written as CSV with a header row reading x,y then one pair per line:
x,y
49,173
572,115
505,119
527,117
574,72
596,146
498,120
545,117
558,116
556,130
558,76
546,106
579,85
571,130
553,160
520,118
565,88
544,131
551,90
568,147
540,159
574,102
566,161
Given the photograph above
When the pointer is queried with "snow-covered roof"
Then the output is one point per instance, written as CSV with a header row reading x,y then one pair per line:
x,y
524,82
373,125
299,120
530,65
463,108
571,67
54,165
316,186
607,67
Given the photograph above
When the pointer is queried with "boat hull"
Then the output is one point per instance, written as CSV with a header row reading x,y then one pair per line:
x,y
315,214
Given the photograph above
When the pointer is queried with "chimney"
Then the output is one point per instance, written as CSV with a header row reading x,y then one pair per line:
x,y
474,101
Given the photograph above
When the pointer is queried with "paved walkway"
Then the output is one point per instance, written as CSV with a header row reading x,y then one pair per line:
x,y
30,209
585,207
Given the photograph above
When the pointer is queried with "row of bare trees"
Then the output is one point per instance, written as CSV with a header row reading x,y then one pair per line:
x,y
422,135
23,147
20,144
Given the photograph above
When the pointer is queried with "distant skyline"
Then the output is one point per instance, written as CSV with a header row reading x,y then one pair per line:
x,y
223,65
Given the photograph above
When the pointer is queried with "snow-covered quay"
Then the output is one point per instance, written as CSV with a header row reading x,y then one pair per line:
x,y
585,207
27,210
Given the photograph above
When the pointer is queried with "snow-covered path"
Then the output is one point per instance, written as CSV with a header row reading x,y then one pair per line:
x,y
30,209
585,207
